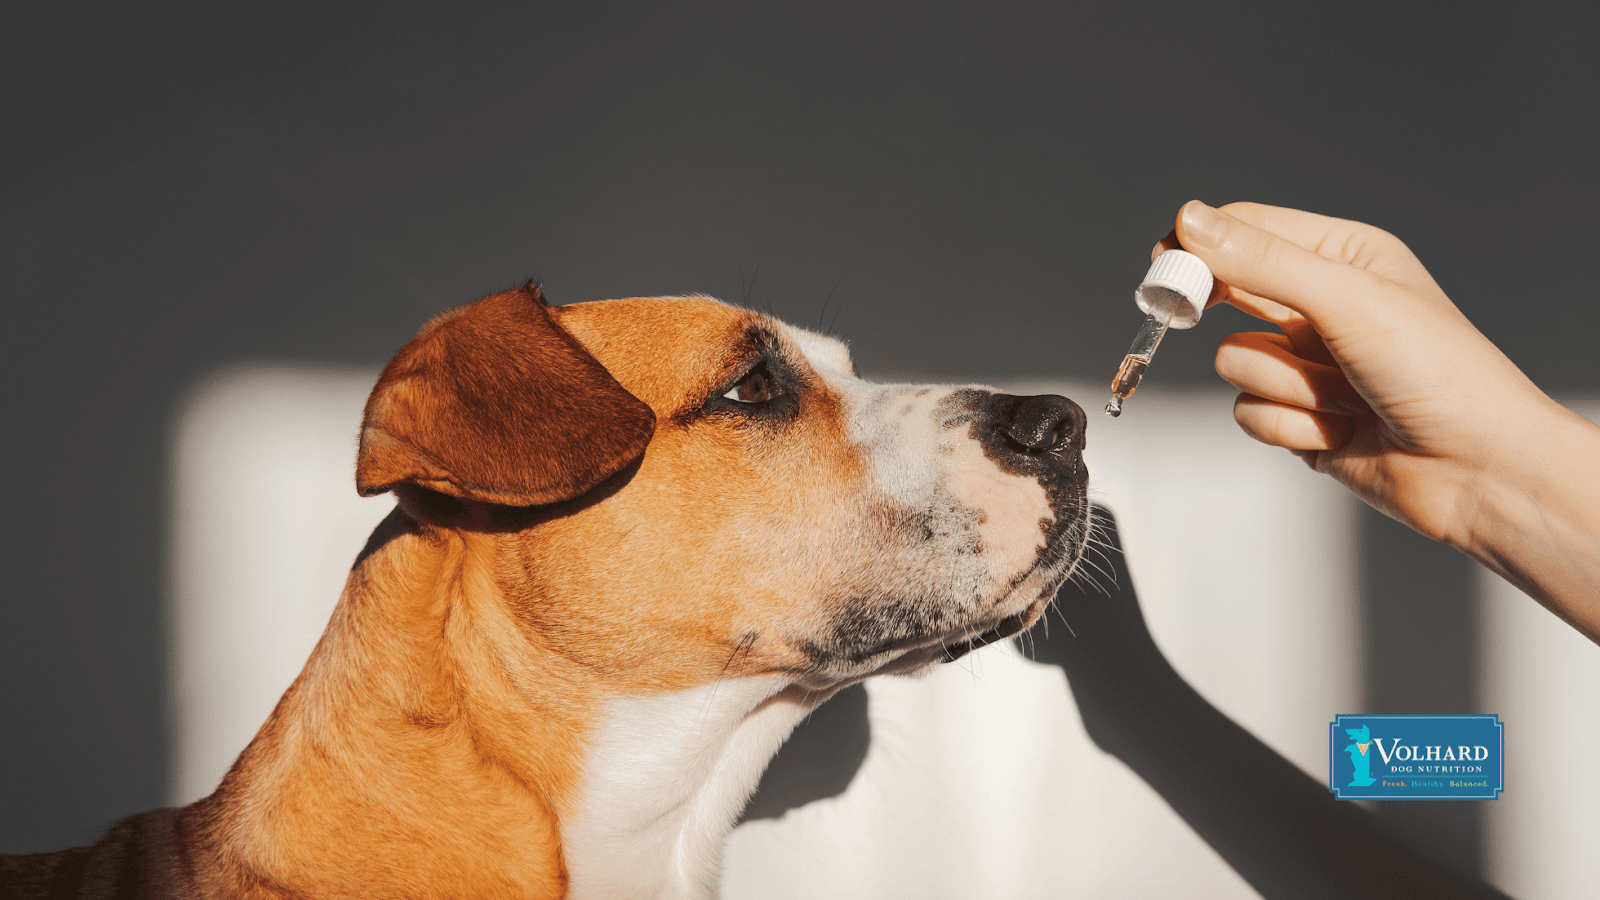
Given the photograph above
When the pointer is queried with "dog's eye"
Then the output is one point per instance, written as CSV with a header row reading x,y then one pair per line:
x,y
755,387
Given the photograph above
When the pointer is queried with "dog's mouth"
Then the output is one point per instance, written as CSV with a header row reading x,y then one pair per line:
x,y
1007,627
1022,621
910,652
897,634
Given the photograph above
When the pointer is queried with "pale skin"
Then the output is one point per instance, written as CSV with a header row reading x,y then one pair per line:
x,y
1378,380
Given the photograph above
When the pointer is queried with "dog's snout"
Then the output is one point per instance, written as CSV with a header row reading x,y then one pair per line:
x,y
1042,424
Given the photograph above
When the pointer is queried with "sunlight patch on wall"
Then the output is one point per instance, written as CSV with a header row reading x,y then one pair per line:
x,y
979,780
264,524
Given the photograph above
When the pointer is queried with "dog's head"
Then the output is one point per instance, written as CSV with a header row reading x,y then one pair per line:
x,y
680,490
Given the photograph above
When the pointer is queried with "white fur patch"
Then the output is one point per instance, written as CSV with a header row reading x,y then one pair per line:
x,y
665,779
1013,507
829,357
920,466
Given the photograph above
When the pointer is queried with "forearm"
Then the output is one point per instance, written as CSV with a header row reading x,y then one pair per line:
x,y
1538,521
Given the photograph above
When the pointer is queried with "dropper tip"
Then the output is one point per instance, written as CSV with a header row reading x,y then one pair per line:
x,y
1114,408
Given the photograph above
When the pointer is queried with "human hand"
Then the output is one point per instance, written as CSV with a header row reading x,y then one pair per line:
x,y
1379,381
1377,378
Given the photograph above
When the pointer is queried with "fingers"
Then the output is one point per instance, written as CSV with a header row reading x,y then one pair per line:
x,y
1291,427
1333,294
1307,343
1219,289
1170,242
1287,401
1268,366
1260,307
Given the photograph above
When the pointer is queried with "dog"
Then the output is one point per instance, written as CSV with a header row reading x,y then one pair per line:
x,y
636,542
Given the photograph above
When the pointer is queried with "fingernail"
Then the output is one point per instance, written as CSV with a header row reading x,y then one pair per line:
x,y
1202,225
1170,242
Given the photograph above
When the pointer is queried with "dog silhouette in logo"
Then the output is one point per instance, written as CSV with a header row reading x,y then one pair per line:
x,y
1358,755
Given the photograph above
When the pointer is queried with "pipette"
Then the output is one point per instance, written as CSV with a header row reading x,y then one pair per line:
x,y
1172,295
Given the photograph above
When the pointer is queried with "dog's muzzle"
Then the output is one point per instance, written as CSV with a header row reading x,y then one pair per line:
x,y
1042,436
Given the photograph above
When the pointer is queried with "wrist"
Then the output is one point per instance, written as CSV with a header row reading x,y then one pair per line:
x,y
1536,519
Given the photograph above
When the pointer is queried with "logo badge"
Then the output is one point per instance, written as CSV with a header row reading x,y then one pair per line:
x,y
1416,757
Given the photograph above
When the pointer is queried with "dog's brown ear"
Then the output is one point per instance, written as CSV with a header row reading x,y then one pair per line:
x,y
496,402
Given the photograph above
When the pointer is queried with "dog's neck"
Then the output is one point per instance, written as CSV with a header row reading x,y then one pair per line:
x,y
666,777
423,753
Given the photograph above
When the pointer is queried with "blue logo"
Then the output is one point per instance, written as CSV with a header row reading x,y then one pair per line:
x,y
1416,757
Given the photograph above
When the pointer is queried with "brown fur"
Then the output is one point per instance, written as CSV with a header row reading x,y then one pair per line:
x,y
580,518
495,402
430,747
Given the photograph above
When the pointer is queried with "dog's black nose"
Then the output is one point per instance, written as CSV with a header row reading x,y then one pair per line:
x,y
1046,423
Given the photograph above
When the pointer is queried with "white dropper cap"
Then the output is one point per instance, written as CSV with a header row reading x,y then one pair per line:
x,y
1175,289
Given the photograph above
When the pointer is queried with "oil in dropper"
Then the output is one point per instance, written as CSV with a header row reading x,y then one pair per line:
x,y
1134,364
1172,295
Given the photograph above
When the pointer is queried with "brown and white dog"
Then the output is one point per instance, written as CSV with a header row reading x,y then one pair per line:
x,y
636,542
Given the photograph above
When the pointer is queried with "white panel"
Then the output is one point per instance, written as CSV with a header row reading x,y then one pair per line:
x,y
265,522
1543,679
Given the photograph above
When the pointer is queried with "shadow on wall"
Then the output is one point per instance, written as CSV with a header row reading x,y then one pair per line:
x,y
1278,828
819,760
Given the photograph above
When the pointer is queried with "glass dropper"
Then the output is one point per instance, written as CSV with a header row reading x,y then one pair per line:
x,y
1172,295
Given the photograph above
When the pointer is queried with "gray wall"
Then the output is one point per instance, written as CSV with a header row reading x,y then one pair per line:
x,y
970,189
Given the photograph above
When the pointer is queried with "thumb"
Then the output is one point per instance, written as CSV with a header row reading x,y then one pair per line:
x,y
1263,251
